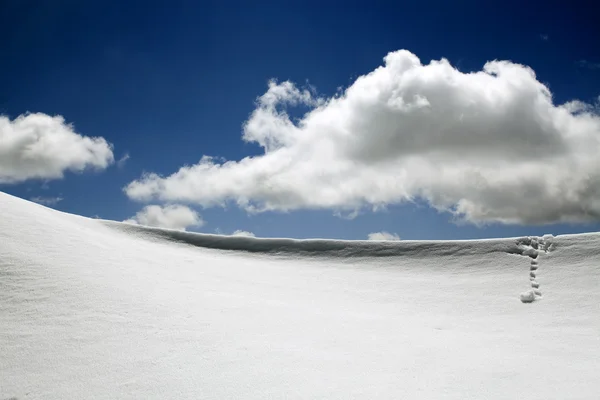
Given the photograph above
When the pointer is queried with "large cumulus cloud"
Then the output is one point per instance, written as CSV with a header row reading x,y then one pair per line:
x,y
39,146
486,146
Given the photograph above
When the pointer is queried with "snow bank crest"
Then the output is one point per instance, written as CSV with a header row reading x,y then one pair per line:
x,y
327,248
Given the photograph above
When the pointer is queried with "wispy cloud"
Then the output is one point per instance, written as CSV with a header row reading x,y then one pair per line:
x,y
47,201
588,64
123,160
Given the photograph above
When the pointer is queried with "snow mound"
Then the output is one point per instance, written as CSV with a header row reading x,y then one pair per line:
x,y
94,309
528,297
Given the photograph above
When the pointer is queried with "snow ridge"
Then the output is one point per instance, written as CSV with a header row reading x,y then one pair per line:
x,y
533,246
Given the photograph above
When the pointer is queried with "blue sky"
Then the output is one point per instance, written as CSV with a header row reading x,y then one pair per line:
x,y
168,82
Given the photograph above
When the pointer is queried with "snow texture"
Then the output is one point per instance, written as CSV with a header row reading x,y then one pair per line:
x,y
92,309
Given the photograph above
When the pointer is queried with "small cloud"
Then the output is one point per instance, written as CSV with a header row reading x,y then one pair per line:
x,y
243,233
173,216
544,37
588,64
383,235
123,160
40,146
47,201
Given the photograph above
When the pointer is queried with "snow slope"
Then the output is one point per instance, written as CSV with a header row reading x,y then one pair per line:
x,y
93,309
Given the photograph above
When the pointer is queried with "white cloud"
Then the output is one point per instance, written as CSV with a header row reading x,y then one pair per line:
x,y
487,146
171,216
47,201
243,233
383,236
38,146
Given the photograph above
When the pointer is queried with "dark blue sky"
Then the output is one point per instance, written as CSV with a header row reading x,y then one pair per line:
x,y
167,82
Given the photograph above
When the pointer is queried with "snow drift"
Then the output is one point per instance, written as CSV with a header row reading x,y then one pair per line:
x,y
93,309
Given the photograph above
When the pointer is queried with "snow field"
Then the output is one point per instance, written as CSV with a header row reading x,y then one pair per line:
x,y
95,309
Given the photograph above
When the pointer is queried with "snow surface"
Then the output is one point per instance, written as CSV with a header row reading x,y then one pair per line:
x,y
93,309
